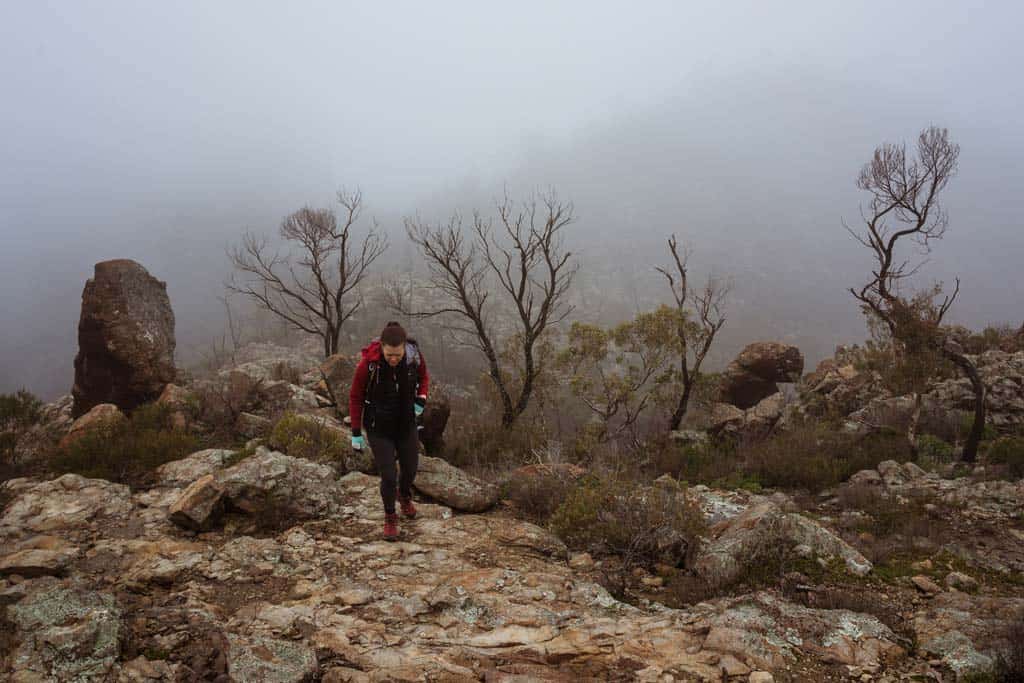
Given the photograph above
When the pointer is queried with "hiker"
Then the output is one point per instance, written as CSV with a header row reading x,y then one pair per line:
x,y
389,391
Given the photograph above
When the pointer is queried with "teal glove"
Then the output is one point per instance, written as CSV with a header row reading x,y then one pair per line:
x,y
358,442
418,406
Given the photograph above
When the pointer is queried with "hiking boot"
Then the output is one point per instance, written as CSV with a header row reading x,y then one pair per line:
x,y
408,509
390,527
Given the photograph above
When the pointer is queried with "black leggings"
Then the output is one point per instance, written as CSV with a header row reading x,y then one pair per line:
x,y
386,451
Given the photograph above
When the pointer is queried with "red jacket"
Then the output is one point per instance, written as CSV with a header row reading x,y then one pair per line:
x,y
372,354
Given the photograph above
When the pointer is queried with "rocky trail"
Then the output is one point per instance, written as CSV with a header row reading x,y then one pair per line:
x,y
100,584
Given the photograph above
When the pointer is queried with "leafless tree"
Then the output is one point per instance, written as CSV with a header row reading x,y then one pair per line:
x,y
701,314
522,263
315,290
904,205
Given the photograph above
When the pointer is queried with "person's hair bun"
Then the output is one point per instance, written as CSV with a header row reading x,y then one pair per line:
x,y
393,334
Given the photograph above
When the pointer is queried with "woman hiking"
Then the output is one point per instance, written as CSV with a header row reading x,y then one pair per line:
x,y
389,391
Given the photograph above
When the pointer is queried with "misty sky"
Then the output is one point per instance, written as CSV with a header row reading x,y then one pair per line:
x,y
161,131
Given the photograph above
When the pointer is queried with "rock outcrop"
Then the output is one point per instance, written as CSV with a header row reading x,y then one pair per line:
x,y
755,373
838,387
465,597
761,531
749,401
125,338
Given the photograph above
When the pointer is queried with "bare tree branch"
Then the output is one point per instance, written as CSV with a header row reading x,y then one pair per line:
x,y
315,291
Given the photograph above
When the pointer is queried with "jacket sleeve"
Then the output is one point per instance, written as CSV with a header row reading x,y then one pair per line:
x,y
423,385
357,394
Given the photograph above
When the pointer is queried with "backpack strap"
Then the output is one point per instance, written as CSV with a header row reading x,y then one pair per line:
x,y
373,370
412,353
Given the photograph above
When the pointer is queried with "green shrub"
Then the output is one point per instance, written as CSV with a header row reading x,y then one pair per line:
x,y
537,497
988,432
126,451
811,456
1008,452
932,451
18,412
642,525
697,463
302,436
815,456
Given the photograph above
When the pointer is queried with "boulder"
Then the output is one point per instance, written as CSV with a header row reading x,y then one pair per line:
x,y
252,426
434,420
743,540
759,420
453,487
179,401
337,372
199,506
725,418
756,371
104,414
187,470
125,338
756,421
274,482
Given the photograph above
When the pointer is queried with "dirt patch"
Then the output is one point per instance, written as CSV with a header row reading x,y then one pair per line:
x,y
231,597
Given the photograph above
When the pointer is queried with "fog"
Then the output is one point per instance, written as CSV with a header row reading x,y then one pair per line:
x,y
161,133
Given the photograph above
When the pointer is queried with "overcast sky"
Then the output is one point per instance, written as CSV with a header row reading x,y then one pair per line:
x,y
160,131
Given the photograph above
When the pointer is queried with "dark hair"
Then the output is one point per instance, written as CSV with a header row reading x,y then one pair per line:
x,y
393,334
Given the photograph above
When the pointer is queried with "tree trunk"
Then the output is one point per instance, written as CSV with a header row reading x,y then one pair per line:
x,y
974,437
507,414
680,411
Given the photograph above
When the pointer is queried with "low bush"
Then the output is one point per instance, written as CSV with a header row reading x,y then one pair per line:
x,y
811,456
307,437
640,524
696,463
18,412
933,451
816,456
537,497
988,432
1008,453
126,451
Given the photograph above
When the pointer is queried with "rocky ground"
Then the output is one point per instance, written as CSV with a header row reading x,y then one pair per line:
x,y
292,582
254,565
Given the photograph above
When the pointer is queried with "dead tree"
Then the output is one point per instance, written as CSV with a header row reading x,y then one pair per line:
x,y
701,314
904,205
314,288
522,263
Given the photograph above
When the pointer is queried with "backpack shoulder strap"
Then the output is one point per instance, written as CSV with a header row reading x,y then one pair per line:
x,y
412,352
373,370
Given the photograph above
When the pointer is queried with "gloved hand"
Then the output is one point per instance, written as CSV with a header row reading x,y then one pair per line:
x,y
358,442
421,401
